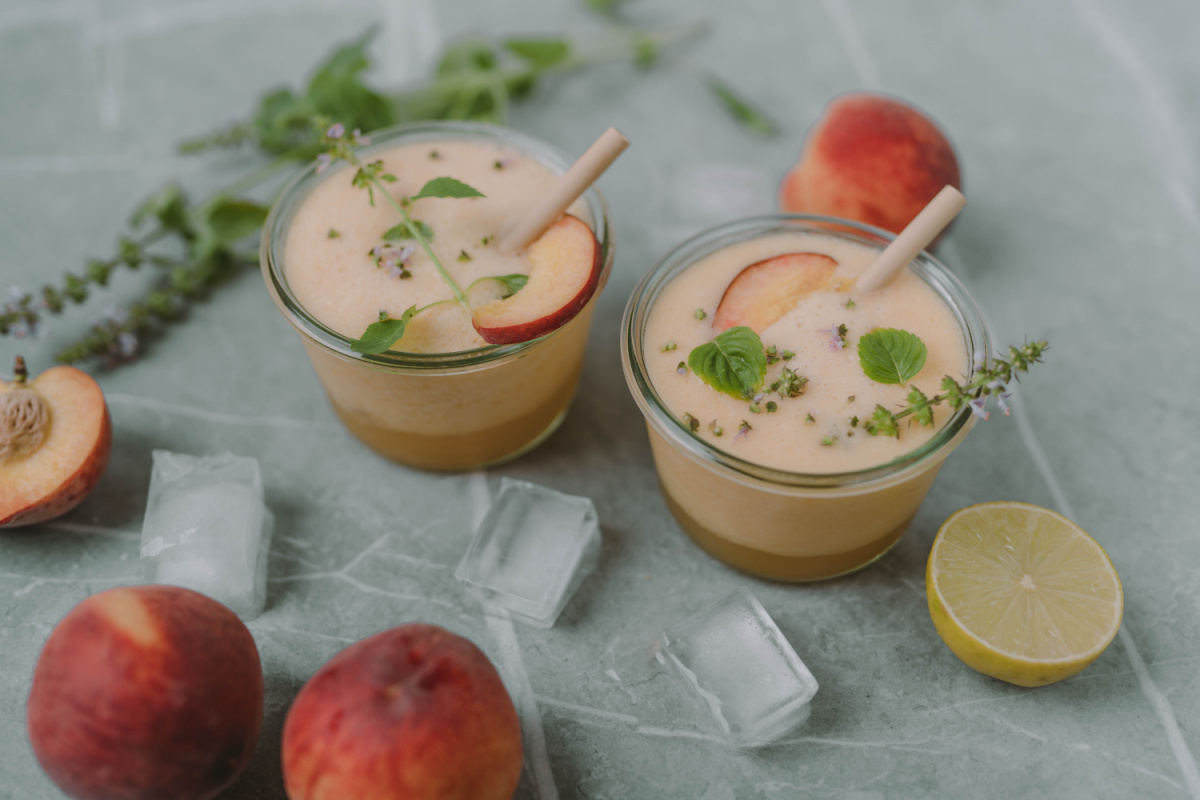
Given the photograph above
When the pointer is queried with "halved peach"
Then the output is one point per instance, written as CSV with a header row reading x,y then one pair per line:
x,y
766,290
48,466
564,273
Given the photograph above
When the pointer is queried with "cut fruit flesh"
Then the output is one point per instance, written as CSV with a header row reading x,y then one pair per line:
x,y
58,475
565,265
766,290
1021,593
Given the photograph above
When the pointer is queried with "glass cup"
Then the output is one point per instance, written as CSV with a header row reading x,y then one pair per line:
x,y
442,411
788,526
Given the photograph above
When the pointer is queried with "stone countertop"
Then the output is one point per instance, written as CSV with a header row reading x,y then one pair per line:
x,y
1076,124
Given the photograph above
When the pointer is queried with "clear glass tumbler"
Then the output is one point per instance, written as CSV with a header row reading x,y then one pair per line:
x,y
788,526
442,411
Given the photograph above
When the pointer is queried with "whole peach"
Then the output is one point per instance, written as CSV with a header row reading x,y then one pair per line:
x,y
144,693
870,158
415,712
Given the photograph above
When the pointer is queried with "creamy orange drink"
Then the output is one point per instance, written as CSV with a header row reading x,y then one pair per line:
x,y
491,347
791,473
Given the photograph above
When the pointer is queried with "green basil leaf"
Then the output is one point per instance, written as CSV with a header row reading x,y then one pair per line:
x,y
380,336
230,220
337,91
540,53
447,187
740,108
404,231
733,362
889,355
512,283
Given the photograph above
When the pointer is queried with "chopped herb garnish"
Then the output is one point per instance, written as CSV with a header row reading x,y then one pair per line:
x,y
772,407
463,255
850,303
333,234
682,368
692,423
809,418
700,313
669,346
434,155
754,408
854,422
828,441
715,429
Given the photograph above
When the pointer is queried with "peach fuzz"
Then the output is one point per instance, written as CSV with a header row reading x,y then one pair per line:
x,y
870,158
414,712
146,692
50,461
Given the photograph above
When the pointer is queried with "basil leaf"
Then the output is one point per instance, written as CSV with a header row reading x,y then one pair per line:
x,y
337,91
230,220
380,336
741,109
733,362
540,53
889,355
404,231
512,283
447,187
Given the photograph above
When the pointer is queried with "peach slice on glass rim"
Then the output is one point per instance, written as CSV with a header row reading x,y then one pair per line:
x,y
55,439
766,290
564,273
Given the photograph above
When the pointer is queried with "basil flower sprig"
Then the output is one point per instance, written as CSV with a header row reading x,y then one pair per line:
x,y
892,356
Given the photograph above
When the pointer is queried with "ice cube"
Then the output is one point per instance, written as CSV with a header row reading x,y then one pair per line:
x,y
206,528
532,550
737,663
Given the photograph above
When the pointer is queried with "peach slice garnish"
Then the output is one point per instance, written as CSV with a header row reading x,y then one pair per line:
x,y
564,273
766,290
55,439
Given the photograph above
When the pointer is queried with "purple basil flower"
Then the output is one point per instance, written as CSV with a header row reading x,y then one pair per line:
x,y
323,161
336,131
977,408
1000,398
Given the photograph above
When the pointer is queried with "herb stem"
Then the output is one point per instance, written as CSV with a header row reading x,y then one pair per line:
x,y
421,240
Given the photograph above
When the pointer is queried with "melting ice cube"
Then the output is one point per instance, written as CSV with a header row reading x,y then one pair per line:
x,y
206,528
532,550
734,659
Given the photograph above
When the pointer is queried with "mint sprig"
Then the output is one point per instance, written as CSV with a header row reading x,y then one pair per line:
x,y
889,355
733,362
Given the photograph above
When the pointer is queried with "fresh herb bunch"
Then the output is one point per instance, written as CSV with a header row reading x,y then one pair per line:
x,y
200,244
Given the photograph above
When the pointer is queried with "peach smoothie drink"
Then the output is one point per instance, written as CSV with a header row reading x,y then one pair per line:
x,y
476,377
792,480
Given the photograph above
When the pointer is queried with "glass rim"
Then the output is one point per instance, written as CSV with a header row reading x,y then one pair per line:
x,y
307,178
935,274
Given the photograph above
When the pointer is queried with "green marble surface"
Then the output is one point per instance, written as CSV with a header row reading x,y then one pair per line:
x,y
1076,123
